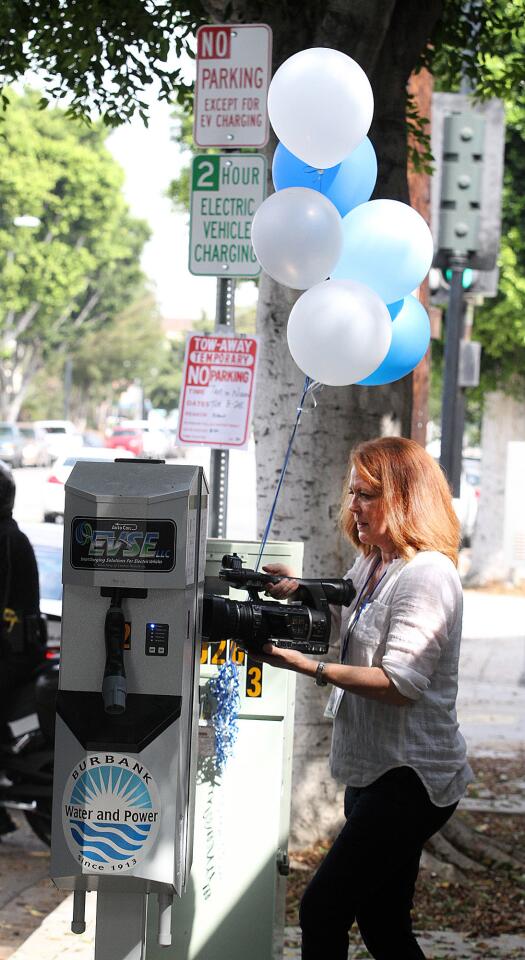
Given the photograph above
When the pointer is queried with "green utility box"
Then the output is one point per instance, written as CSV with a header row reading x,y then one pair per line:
x,y
233,908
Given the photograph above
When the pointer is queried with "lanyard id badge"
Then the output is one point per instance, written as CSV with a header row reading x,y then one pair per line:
x,y
334,702
336,696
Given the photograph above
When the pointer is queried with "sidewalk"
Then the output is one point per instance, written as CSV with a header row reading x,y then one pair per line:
x,y
54,941
491,710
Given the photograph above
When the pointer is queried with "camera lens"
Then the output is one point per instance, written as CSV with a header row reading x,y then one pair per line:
x,y
253,624
226,619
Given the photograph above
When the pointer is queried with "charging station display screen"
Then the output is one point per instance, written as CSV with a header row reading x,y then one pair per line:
x,y
116,544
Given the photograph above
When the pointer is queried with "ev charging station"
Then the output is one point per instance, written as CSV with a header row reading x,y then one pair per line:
x,y
127,706
135,748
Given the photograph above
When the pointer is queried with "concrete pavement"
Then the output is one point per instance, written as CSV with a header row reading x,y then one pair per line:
x,y
491,708
491,703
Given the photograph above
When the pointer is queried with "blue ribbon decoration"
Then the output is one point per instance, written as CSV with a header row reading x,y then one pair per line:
x,y
225,689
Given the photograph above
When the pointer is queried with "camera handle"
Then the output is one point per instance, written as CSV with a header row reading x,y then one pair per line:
x,y
337,591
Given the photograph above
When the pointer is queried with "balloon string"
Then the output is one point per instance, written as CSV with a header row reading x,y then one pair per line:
x,y
310,386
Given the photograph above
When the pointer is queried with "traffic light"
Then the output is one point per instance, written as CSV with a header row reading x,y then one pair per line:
x,y
466,186
475,283
463,136
467,277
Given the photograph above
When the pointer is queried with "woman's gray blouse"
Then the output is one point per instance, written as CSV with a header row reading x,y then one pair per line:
x,y
412,629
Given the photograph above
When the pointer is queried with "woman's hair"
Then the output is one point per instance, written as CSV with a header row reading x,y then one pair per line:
x,y
415,495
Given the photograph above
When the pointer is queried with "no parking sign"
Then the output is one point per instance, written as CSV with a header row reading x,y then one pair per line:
x,y
233,73
218,390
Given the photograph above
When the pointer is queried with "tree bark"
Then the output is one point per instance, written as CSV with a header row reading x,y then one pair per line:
x,y
503,420
386,38
420,87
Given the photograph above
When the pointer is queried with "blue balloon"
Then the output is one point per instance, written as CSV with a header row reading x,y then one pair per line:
x,y
348,184
410,339
395,308
387,245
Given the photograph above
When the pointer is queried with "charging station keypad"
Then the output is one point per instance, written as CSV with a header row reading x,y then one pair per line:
x,y
157,639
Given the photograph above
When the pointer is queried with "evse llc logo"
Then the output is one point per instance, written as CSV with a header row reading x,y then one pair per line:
x,y
110,813
123,540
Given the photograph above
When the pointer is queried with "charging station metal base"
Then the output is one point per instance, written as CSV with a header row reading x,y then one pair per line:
x,y
233,907
121,926
126,733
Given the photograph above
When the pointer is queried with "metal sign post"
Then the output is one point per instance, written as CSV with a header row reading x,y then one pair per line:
x,y
453,402
226,191
234,64
219,461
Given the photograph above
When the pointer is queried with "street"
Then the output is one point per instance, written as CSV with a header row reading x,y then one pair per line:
x,y
491,701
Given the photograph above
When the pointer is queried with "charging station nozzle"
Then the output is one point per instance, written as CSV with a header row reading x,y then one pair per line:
x,y
114,685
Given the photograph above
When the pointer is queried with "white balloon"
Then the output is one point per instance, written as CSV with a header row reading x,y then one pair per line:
x,y
297,236
339,332
320,104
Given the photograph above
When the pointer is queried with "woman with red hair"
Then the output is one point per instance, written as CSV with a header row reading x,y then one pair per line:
x,y
396,742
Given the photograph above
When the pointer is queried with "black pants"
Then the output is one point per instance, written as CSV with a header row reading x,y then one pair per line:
x,y
369,874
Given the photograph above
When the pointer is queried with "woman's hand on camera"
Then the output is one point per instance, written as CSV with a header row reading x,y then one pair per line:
x,y
286,587
283,658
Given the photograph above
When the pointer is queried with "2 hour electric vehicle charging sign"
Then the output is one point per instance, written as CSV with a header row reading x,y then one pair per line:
x,y
226,191
233,73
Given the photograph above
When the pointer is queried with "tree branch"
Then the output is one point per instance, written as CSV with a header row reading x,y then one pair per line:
x,y
86,310
27,317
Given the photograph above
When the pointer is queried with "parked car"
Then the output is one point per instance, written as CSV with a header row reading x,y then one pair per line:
x,y
11,444
35,452
128,438
62,436
47,542
92,438
54,493
142,437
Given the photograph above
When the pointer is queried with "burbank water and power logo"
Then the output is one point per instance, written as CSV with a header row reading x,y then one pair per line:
x,y
111,812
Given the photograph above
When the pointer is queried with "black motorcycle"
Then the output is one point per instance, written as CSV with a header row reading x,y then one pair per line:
x,y
26,749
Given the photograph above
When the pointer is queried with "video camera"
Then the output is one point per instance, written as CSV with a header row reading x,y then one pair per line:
x,y
303,625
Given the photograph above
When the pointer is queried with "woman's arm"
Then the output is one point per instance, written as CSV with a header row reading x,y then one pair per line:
x,y
369,682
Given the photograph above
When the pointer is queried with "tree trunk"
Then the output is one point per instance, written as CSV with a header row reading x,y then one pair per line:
x,y
386,38
503,420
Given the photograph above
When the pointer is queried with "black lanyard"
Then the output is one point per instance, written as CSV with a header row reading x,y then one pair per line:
x,y
360,606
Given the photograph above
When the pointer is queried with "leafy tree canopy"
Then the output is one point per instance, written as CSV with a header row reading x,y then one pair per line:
x,y
80,266
132,343
465,41
101,58
103,55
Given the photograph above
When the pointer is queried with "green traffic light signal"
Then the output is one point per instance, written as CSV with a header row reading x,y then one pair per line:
x,y
466,277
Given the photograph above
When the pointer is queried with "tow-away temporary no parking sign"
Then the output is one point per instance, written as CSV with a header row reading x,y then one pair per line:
x,y
226,190
233,73
218,390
